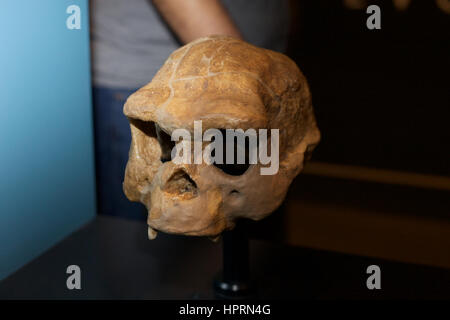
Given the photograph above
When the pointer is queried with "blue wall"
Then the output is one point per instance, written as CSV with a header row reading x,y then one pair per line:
x,y
46,138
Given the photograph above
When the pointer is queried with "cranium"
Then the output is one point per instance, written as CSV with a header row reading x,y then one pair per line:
x,y
226,83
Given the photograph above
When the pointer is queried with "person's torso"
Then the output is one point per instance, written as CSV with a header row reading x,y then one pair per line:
x,y
130,40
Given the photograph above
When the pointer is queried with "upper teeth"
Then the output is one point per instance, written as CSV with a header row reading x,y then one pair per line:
x,y
152,233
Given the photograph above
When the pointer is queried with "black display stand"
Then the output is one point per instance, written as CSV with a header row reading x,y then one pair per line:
x,y
235,281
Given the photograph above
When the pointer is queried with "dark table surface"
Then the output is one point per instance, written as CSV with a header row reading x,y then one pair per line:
x,y
117,261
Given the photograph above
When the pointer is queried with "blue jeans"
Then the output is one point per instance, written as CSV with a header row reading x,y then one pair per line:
x,y
112,143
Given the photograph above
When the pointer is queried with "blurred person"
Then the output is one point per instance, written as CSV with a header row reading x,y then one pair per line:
x,y
130,41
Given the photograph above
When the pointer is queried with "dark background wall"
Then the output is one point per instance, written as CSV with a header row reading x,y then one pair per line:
x,y
378,183
381,97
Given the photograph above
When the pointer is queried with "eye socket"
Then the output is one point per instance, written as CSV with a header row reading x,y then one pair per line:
x,y
234,169
147,127
152,129
165,142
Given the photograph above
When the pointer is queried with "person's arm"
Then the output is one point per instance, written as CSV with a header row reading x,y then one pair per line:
x,y
192,19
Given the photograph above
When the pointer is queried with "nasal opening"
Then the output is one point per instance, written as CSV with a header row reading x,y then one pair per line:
x,y
180,183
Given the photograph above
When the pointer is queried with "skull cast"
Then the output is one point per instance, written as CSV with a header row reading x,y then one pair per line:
x,y
227,84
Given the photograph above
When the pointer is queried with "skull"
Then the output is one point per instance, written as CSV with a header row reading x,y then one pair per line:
x,y
227,84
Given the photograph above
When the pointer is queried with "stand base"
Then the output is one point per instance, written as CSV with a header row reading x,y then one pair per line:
x,y
233,290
